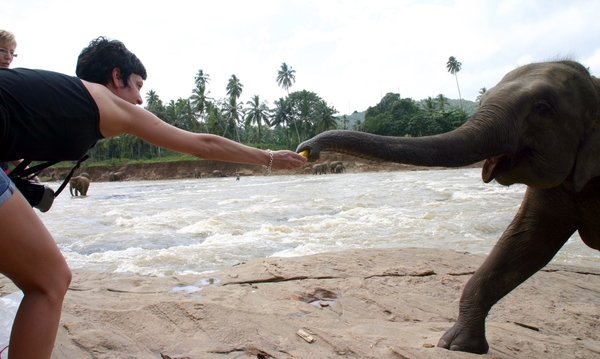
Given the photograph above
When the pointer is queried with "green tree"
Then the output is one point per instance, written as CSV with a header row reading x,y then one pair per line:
x,y
257,112
286,77
481,92
324,119
282,116
454,67
199,98
201,78
442,101
429,104
344,122
234,87
232,112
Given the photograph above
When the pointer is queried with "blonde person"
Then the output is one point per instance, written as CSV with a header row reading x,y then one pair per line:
x,y
51,116
8,46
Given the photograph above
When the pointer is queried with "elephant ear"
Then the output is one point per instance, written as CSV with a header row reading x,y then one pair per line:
x,y
587,165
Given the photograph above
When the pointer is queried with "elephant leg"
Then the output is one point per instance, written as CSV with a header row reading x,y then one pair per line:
x,y
529,243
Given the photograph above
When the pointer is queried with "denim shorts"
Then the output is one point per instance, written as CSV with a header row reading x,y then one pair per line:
x,y
7,187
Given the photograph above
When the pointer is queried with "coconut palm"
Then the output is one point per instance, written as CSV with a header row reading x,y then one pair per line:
x,y
344,122
232,112
442,101
282,116
453,67
234,87
257,113
481,92
429,104
323,115
199,102
201,78
286,77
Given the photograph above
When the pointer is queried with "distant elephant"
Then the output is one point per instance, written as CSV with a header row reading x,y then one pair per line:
x,y
320,168
78,186
218,173
116,176
540,126
197,173
333,165
339,168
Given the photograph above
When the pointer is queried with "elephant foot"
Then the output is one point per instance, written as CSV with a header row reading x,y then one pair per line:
x,y
459,338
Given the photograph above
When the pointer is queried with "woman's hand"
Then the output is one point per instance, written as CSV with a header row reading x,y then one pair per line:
x,y
287,160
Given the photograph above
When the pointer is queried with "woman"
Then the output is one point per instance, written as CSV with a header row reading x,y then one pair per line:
x,y
8,46
50,116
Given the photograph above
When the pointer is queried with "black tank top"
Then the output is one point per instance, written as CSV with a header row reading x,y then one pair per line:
x,y
45,116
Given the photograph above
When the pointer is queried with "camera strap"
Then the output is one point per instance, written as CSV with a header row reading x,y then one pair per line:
x,y
20,171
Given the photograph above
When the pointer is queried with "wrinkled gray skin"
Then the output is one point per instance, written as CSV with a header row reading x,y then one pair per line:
x,y
218,173
78,186
539,126
320,168
116,176
333,165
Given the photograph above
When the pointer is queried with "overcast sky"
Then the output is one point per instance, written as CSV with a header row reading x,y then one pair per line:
x,y
349,53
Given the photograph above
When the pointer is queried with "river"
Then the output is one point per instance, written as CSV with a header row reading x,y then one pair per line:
x,y
198,225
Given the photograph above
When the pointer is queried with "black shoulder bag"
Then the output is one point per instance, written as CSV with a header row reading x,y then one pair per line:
x,y
38,195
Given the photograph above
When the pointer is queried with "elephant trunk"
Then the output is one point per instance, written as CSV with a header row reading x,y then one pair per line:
x,y
478,139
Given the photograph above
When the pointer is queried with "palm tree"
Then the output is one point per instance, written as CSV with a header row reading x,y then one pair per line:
x,y
344,122
429,104
257,113
199,98
199,102
442,101
231,111
481,92
234,87
453,67
282,116
324,118
201,78
286,77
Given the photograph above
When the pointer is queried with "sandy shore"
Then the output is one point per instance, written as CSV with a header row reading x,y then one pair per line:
x,y
388,303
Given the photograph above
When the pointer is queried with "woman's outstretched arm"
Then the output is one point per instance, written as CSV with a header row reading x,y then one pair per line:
x,y
117,117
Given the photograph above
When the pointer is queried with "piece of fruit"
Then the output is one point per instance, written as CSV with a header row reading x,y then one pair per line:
x,y
305,153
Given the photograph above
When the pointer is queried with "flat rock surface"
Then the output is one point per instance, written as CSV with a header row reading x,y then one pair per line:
x,y
374,303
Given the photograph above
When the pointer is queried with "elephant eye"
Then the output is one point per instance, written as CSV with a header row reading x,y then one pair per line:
x,y
542,107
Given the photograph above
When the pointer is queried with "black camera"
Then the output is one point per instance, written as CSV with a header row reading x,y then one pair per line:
x,y
38,195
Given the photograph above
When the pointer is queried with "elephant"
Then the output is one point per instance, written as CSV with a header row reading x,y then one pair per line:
x,y
79,186
539,126
339,168
218,173
320,168
116,176
333,165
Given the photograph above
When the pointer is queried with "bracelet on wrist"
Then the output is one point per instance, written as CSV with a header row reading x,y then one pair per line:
x,y
270,161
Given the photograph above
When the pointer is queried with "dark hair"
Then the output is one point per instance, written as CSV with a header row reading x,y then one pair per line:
x,y
97,61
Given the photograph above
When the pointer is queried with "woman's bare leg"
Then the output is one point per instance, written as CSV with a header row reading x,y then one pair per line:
x,y
31,259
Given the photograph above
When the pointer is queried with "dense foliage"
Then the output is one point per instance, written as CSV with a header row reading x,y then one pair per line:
x,y
395,116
